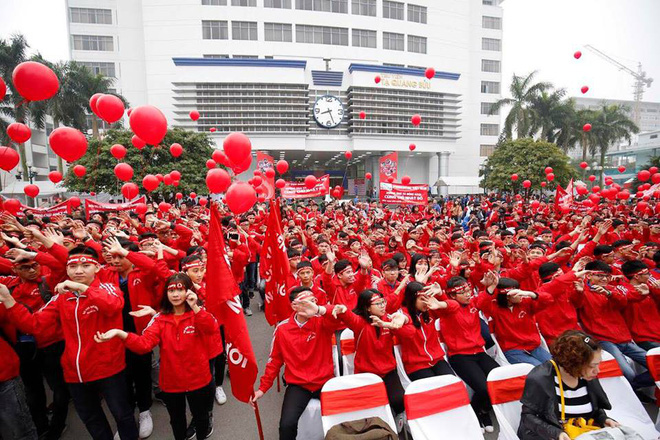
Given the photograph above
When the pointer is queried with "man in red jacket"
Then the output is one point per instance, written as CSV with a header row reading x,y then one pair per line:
x,y
81,307
642,317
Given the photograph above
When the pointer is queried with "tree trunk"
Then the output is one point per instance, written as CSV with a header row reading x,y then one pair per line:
x,y
602,165
584,148
60,165
95,128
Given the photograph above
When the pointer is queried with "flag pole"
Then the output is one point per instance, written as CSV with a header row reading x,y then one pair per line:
x,y
258,417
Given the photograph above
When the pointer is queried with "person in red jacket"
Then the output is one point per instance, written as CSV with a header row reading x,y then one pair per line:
x,y
343,287
81,307
304,343
180,329
642,317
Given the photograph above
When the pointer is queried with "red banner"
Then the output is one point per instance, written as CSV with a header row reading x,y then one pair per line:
x,y
93,207
265,162
298,190
400,194
389,166
564,198
60,208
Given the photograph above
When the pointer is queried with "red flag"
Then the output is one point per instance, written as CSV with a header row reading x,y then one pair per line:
x,y
389,165
564,198
274,267
264,162
225,304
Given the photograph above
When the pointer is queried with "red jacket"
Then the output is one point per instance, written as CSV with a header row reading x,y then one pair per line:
x,y
561,315
306,351
184,361
601,316
79,318
461,328
420,347
338,294
642,316
373,353
214,341
9,367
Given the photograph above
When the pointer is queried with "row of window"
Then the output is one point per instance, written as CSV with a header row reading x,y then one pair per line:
x,y
490,129
247,30
391,9
488,22
102,43
493,66
100,68
89,15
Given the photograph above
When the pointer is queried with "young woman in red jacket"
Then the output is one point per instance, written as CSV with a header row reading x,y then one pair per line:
x,y
373,340
181,329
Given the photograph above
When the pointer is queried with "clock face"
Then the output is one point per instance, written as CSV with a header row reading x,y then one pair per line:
x,y
328,111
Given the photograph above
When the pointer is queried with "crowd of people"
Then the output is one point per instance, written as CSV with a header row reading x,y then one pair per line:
x,y
86,300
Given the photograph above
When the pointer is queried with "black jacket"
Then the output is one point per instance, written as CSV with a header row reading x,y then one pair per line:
x,y
539,419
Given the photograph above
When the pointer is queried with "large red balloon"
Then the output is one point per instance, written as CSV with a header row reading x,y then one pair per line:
x,y
655,178
203,202
19,132
348,155
55,176
68,143
592,178
544,184
130,190
149,123
179,196
416,120
167,179
194,115
176,149
405,180
164,206
217,180
220,157
9,158
176,176
550,176
238,169
210,164
643,175
653,170
31,190
35,81
124,171
141,208
110,108
118,151
12,205
92,102
280,183
282,166
240,197
548,170
622,169
310,181
237,148
79,170
363,115
270,173
193,195
429,73
138,142
150,182
583,165
586,127
3,89
527,184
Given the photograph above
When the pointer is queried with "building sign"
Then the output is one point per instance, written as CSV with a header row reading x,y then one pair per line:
x,y
400,194
402,81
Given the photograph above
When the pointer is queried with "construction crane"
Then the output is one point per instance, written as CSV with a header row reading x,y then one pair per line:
x,y
641,80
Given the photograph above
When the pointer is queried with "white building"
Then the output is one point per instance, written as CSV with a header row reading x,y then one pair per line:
x,y
649,112
258,66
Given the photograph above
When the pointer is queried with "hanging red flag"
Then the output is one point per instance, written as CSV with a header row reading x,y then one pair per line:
x,y
389,165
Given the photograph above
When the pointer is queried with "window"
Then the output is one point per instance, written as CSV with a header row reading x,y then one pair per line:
x,y
416,44
488,2
88,15
100,68
282,4
394,65
392,41
416,13
490,66
321,35
490,129
243,30
340,6
491,44
491,22
246,57
392,10
93,42
215,55
278,32
214,2
364,7
364,38
244,2
486,150
215,30
485,108
490,87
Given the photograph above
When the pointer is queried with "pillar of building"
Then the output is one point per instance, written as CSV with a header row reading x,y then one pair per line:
x,y
443,169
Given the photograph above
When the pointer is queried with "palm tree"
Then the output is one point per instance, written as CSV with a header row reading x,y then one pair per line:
x,y
86,84
550,113
523,93
611,125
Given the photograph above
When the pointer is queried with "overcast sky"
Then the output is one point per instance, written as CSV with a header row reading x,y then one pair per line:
x,y
538,35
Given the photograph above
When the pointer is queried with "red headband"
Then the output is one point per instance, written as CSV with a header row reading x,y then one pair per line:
x,y
81,259
458,288
173,286
375,298
196,263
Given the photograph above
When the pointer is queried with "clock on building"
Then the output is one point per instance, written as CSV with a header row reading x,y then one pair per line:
x,y
328,111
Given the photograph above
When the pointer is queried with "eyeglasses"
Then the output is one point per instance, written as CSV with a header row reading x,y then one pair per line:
x,y
26,267
381,303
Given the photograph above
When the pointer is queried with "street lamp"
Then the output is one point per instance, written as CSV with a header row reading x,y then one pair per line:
x,y
31,174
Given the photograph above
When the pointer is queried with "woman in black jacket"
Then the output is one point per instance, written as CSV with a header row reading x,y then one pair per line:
x,y
578,357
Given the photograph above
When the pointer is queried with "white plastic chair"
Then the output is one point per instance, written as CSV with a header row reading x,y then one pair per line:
x,y
309,424
505,388
439,408
354,397
653,361
626,407
499,354
347,344
400,369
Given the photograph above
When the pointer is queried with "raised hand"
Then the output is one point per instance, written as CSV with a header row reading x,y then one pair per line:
x,y
144,311
338,310
191,299
113,246
106,336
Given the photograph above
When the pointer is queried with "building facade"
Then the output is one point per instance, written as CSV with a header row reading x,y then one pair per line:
x,y
649,112
261,66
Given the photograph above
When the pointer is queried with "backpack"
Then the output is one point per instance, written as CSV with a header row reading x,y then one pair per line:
x,y
372,428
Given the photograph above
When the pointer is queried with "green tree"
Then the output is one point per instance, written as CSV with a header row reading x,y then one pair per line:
x,y
523,94
100,163
528,159
610,126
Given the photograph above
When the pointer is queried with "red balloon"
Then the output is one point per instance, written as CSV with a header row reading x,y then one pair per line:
x,y
261,198
655,178
193,195
348,155
416,120
643,175
68,143
194,115
35,81
412,147
280,183
210,164
167,179
175,183
310,181
256,180
55,176
577,55
377,79
9,158
653,170
390,179
212,129
623,195
240,197
3,89
148,123
18,132
622,169
583,165
594,198
138,142
405,180
203,202
74,202
159,177
646,186
363,115
124,171
12,205
164,206
238,169
217,180
79,170
128,112
176,176
586,127
550,177
31,190
176,149
514,177
237,148
118,151
543,184
150,182
584,89
130,190
110,108
92,102
179,196
270,173
282,166
548,170
527,183
367,176
639,194
429,73
581,189
595,189
336,194
535,204
220,157
642,206
592,178
141,208
256,173
656,194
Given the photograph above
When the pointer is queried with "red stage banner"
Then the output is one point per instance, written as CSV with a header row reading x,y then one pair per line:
x,y
400,194
298,190
389,166
60,208
264,162
93,207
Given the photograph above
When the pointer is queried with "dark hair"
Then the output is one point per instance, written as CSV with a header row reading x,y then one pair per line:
x,y
303,264
146,235
84,250
548,269
505,283
389,263
416,258
363,303
189,259
630,268
598,265
656,257
166,306
455,281
293,293
197,250
341,265
619,243
574,350
410,302
129,245
602,249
